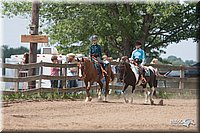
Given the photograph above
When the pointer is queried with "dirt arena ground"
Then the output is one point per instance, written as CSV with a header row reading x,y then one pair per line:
x,y
68,115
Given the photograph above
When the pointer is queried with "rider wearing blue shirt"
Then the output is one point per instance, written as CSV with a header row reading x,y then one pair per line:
x,y
138,56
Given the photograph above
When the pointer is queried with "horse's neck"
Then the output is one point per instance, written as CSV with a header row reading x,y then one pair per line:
x,y
90,70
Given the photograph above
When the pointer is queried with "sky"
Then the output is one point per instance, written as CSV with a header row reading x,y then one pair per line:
x,y
13,28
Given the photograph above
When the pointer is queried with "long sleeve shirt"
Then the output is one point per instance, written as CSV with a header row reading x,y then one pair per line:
x,y
138,54
95,50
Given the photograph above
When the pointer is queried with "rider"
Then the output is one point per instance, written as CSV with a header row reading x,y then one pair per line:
x,y
96,54
138,56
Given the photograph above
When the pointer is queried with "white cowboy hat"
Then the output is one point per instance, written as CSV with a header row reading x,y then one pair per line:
x,y
70,55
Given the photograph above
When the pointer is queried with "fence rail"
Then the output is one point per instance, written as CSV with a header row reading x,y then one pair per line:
x,y
181,80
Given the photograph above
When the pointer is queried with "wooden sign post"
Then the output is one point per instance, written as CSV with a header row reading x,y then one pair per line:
x,y
34,38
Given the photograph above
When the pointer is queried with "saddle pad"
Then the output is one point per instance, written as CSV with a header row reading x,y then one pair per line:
x,y
106,63
134,69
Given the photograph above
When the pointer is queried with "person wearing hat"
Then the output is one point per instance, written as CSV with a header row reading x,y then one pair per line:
x,y
71,71
95,54
138,56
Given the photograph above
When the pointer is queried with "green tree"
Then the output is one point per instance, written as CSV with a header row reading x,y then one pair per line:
x,y
119,25
7,52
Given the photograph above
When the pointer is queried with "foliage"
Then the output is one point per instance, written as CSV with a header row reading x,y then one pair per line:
x,y
119,25
164,94
7,52
40,96
177,61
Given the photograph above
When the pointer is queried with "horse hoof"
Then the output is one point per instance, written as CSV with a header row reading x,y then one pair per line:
x,y
90,98
152,102
86,100
105,99
126,101
99,98
161,102
145,102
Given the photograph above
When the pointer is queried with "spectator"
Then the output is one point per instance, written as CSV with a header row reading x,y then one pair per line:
x,y
54,71
155,61
25,59
71,71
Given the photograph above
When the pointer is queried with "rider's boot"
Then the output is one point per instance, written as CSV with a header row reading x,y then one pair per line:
x,y
104,72
142,75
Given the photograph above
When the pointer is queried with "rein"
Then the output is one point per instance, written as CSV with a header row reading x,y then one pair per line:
x,y
124,69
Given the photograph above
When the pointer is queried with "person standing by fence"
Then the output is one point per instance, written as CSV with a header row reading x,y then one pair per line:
x,y
24,72
54,71
71,71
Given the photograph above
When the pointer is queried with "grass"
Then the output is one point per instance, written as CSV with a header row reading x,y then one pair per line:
x,y
82,95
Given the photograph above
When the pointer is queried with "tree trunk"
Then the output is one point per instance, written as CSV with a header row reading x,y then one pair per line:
x,y
127,48
146,27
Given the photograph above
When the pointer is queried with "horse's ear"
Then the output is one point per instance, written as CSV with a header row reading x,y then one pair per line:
x,y
82,59
78,59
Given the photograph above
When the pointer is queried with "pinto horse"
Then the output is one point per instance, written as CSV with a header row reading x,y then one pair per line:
x,y
129,75
89,74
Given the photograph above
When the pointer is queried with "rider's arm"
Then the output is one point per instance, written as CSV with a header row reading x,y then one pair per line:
x,y
143,58
100,52
132,55
90,51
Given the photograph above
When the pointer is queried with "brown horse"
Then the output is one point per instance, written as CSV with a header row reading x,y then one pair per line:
x,y
89,74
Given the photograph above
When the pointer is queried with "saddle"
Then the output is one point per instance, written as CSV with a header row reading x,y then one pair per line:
x,y
101,67
142,72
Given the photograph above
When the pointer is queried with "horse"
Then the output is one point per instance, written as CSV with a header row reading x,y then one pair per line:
x,y
89,74
129,75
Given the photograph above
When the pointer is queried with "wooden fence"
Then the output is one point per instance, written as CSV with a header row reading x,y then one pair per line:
x,y
180,80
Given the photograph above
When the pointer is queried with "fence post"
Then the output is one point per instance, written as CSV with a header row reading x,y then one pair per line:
x,y
182,75
65,73
17,83
41,73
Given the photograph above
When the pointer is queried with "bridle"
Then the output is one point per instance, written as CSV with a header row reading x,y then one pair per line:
x,y
122,66
82,66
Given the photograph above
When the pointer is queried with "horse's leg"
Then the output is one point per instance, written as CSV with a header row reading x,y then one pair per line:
x,y
153,85
124,93
100,90
151,95
133,90
146,93
87,86
106,87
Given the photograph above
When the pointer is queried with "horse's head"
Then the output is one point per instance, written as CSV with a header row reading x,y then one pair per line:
x,y
83,65
122,67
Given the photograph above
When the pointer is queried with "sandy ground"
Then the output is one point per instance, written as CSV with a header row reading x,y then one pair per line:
x,y
67,115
